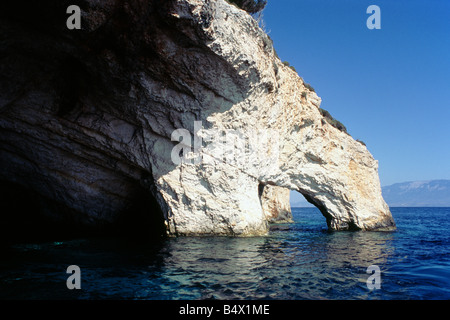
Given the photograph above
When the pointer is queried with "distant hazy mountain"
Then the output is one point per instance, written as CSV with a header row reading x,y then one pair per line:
x,y
433,193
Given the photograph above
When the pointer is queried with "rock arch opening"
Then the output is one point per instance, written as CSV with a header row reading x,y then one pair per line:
x,y
300,199
278,204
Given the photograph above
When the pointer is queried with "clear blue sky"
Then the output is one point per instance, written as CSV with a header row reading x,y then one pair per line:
x,y
390,87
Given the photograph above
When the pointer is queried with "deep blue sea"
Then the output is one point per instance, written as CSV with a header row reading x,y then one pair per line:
x,y
301,260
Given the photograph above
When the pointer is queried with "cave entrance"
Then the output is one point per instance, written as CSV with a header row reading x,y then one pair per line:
x,y
143,219
27,216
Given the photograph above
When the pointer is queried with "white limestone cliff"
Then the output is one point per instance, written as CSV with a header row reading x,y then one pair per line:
x,y
86,122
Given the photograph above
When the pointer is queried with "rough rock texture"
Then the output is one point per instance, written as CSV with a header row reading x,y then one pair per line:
x,y
275,204
87,116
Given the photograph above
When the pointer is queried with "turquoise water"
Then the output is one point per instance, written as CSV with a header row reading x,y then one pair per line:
x,y
296,261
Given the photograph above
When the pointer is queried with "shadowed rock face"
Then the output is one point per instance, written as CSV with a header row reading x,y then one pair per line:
x,y
87,116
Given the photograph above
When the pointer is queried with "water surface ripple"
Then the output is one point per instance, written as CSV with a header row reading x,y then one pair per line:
x,y
296,261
